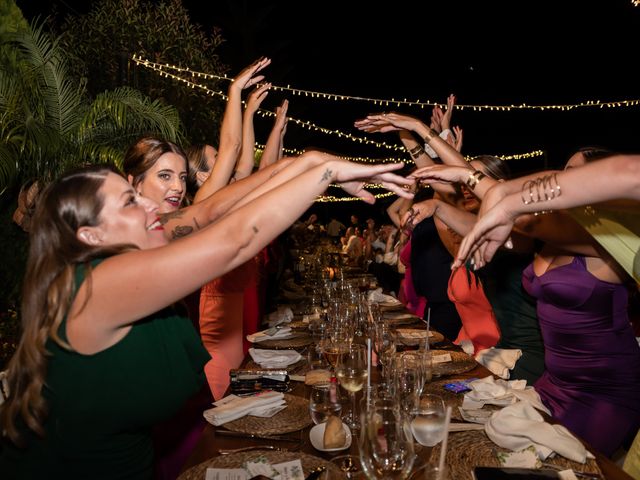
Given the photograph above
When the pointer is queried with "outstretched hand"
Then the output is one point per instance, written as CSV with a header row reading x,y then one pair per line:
x,y
247,77
386,122
441,174
491,231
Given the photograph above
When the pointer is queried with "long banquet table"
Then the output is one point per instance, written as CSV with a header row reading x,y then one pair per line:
x,y
210,443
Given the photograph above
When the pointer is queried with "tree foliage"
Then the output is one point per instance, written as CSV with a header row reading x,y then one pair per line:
x,y
103,41
48,124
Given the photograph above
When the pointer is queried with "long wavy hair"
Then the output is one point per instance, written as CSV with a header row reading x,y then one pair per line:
x,y
71,202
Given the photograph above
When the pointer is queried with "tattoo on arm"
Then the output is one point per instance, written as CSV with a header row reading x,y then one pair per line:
x,y
326,175
195,220
165,217
181,231
255,229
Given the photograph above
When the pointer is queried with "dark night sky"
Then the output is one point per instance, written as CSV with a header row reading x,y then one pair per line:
x,y
498,52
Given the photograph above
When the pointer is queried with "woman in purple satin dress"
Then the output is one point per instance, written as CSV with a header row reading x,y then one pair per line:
x,y
592,359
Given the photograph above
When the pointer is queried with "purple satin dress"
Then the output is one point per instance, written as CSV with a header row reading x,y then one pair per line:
x,y
592,359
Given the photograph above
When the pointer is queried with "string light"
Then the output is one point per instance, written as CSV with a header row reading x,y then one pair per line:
x,y
333,199
386,103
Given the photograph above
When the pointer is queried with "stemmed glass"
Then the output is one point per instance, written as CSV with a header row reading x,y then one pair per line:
x,y
323,402
386,445
351,371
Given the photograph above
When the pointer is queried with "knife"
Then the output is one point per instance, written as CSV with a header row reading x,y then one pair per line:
x,y
231,433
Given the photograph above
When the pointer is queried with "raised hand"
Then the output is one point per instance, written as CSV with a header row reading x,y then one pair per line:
x,y
442,174
256,97
436,119
457,131
387,122
490,232
281,117
247,77
445,121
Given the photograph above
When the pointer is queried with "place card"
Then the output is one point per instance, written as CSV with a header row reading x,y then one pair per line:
x,y
440,358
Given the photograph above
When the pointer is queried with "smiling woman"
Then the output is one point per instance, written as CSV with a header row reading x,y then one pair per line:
x,y
157,169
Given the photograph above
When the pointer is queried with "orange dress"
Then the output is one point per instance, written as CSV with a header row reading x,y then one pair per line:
x,y
479,324
221,319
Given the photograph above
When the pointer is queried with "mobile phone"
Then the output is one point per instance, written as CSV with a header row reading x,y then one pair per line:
x,y
460,386
498,473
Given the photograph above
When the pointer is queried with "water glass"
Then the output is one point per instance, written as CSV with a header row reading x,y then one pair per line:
x,y
428,420
324,402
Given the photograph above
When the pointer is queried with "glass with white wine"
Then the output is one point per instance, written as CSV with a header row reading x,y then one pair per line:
x,y
351,372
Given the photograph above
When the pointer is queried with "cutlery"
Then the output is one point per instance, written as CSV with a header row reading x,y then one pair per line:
x,y
228,451
283,438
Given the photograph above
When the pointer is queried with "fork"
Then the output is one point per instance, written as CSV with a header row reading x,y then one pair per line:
x,y
228,451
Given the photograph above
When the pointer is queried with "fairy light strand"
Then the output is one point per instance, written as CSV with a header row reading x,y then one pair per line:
x,y
385,103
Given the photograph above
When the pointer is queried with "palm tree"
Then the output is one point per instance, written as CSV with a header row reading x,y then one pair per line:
x,y
48,124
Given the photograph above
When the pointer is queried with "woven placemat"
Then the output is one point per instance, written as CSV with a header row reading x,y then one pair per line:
x,y
436,337
293,418
460,363
466,450
391,308
298,325
299,341
236,460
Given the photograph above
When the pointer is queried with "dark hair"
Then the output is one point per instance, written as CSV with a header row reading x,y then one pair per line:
x,y
593,153
71,202
144,154
496,168
196,162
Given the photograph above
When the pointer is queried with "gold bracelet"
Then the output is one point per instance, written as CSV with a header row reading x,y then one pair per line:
x,y
431,134
474,178
417,150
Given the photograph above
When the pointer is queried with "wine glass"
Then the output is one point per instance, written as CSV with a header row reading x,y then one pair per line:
x,y
324,402
429,418
351,371
386,444
409,379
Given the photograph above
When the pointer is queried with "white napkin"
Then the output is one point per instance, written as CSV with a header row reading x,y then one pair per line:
x,y
499,360
274,358
519,425
270,334
501,392
376,296
241,406
280,316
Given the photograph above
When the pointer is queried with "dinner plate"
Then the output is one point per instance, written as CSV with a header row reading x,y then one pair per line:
x,y
316,435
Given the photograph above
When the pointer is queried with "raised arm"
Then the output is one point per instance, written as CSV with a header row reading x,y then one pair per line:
x,y
247,153
273,148
397,210
231,130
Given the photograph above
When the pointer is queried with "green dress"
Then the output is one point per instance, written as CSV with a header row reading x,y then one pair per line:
x,y
515,311
102,406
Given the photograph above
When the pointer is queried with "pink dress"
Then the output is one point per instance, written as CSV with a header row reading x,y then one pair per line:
x,y
414,303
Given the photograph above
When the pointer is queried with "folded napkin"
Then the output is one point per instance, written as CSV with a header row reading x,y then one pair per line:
x,y
499,360
274,358
376,296
270,334
519,425
240,406
500,392
280,316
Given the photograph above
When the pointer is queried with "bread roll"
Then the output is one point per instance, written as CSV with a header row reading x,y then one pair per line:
x,y
334,434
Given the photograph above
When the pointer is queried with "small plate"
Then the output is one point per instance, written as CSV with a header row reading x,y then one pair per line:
x,y
316,435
